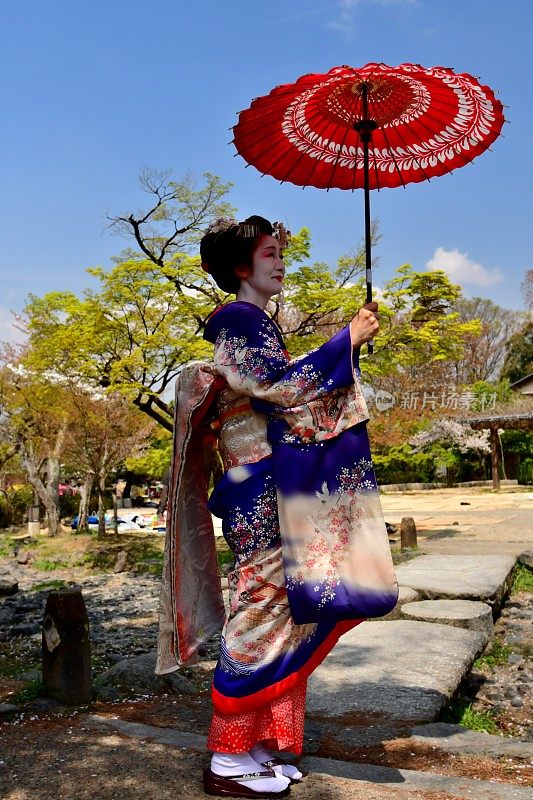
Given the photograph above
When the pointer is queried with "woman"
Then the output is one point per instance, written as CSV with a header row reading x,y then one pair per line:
x,y
299,509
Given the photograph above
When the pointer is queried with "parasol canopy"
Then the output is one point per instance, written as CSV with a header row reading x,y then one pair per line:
x,y
372,127
421,122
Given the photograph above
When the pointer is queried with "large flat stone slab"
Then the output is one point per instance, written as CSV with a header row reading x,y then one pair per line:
x,y
451,786
472,614
479,577
396,670
137,730
456,739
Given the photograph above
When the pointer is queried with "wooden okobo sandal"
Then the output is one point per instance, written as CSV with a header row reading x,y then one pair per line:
x,y
279,762
228,786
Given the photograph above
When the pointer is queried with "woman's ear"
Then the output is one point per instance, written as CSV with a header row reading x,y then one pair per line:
x,y
242,272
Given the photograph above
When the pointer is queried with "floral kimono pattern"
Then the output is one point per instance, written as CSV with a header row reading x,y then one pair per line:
x,y
299,508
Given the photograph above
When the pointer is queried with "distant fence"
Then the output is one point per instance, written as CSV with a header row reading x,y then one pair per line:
x,y
417,487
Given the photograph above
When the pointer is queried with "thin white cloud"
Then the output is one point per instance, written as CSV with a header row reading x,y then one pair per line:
x,y
463,269
346,21
303,15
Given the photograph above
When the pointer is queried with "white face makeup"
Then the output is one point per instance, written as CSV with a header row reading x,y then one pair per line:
x,y
266,277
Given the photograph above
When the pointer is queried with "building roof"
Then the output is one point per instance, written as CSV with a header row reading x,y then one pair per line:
x,y
517,414
522,380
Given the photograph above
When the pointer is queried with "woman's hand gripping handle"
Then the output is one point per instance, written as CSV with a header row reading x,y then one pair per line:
x,y
364,325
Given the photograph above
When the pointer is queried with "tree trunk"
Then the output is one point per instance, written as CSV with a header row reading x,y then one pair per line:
x,y
52,489
115,510
46,497
101,505
53,520
85,496
126,492
48,493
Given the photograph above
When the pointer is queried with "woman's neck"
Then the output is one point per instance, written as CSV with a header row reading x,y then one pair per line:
x,y
249,295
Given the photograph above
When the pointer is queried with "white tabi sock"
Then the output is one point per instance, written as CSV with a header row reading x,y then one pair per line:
x,y
230,764
262,755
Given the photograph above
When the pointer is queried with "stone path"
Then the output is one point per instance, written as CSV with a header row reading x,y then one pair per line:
x,y
397,669
362,777
460,613
408,670
456,739
362,774
479,577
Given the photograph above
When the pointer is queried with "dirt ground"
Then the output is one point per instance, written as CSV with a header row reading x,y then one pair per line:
x,y
191,713
64,759
60,755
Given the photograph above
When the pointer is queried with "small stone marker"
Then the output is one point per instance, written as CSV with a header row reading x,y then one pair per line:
x,y
66,650
120,565
34,526
408,532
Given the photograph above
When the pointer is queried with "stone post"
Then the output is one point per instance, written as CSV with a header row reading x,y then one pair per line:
x,y
34,526
66,649
408,532
495,458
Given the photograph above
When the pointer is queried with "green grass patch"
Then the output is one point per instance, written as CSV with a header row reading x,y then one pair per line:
x,y
152,564
522,579
45,565
30,692
497,654
461,712
6,546
224,554
51,585
144,553
16,658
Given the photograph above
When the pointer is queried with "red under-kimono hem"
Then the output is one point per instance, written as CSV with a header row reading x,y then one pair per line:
x,y
278,724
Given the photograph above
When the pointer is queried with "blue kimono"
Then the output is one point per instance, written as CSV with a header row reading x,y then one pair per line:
x,y
299,508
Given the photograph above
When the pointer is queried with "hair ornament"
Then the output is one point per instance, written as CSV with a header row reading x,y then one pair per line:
x,y
280,232
248,230
221,225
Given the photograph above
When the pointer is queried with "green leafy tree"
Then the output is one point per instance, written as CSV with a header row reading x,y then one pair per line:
x,y
145,317
133,333
103,431
177,214
155,459
519,355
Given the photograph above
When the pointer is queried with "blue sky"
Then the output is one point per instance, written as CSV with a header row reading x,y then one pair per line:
x,y
93,91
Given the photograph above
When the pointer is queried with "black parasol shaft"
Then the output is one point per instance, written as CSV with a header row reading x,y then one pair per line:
x,y
364,127
368,237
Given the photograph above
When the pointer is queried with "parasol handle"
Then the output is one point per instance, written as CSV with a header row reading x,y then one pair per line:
x,y
364,128
369,344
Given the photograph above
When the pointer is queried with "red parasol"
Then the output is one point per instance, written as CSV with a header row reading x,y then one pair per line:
x,y
370,128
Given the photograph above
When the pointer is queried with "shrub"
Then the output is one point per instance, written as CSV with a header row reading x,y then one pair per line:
x,y
402,465
14,502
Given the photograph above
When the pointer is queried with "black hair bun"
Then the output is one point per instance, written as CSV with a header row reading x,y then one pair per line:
x,y
227,245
